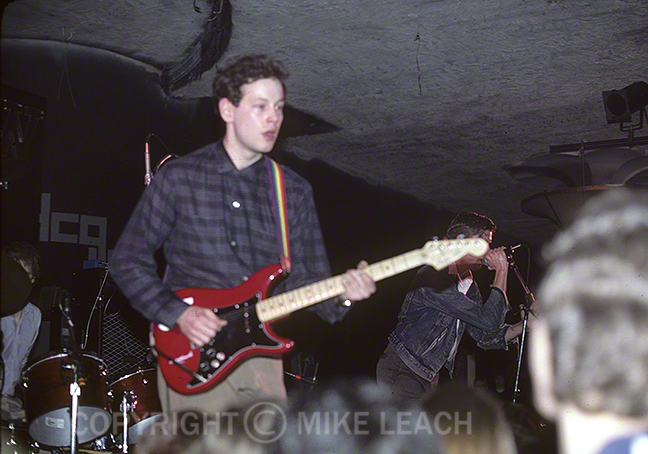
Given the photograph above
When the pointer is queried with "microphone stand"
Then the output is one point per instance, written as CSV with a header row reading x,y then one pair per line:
x,y
75,392
148,175
71,347
298,377
529,300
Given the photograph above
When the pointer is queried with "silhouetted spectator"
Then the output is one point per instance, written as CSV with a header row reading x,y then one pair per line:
x,y
589,346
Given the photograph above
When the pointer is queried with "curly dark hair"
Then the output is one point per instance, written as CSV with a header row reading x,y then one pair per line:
x,y
245,70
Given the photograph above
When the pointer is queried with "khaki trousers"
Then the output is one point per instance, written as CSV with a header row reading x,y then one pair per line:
x,y
256,380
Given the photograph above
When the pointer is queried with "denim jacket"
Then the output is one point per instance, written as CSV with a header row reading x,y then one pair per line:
x,y
426,329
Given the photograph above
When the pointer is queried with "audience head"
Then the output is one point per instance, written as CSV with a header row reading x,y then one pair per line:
x,y
480,425
191,432
355,417
590,346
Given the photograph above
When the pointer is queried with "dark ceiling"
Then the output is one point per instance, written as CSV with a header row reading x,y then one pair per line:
x,y
434,99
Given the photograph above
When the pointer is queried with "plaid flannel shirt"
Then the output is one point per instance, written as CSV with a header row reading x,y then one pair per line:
x,y
216,227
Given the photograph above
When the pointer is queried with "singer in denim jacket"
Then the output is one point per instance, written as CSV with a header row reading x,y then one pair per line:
x,y
438,308
427,324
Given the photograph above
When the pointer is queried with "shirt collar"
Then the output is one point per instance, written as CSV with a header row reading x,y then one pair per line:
x,y
221,159
223,162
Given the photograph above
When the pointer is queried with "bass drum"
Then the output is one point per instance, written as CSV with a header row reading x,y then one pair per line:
x,y
48,401
139,389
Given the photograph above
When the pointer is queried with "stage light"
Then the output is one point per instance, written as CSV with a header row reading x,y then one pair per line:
x,y
621,104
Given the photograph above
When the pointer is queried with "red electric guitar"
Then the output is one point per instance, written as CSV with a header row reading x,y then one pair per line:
x,y
249,313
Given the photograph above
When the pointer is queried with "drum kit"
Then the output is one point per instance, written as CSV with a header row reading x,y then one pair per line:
x,y
72,405
68,412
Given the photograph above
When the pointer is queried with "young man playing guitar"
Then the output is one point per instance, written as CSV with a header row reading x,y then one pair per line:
x,y
214,212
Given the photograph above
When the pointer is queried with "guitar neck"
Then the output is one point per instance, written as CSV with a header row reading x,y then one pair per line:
x,y
289,302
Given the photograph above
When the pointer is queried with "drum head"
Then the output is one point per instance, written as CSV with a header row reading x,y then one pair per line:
x,y
54,428
48,400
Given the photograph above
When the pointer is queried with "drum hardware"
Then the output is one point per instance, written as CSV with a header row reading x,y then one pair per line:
x,y
135,397
103,444
81,451
16,441
128,403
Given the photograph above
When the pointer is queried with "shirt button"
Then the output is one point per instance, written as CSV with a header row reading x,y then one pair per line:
x,y
236,204
233,243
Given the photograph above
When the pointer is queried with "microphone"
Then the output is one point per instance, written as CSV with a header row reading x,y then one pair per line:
x,y
148,175
508,250
68,341
67,326
65,308
509,255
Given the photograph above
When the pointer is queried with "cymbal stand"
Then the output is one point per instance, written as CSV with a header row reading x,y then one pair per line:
x,y
529,300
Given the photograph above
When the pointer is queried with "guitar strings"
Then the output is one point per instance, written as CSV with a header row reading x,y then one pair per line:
x,y
236,314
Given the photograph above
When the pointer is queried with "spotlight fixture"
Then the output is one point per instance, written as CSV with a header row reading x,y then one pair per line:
x,y
621,104
572,173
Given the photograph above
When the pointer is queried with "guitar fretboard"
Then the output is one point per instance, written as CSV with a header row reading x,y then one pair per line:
x,y
439,254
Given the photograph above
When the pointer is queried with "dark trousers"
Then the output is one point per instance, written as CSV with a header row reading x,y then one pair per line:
x,y
405,385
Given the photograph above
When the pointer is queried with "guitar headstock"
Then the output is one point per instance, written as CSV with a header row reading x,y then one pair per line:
x,y
441,253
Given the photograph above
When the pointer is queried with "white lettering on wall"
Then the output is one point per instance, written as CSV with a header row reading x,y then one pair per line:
x,y
51,223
